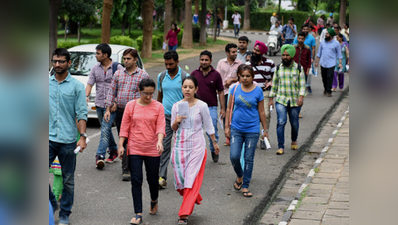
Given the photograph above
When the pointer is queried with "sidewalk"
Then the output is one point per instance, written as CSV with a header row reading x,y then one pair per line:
x,y
323,196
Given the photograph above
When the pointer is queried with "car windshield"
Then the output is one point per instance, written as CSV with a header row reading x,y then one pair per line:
x,y
82,62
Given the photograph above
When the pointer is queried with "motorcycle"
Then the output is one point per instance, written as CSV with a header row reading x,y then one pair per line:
x,y
273,43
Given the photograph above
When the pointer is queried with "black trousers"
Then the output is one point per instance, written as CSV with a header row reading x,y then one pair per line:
x,y
118,122
327,78
152,176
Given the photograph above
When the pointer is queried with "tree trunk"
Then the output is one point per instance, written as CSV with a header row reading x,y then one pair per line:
x,y
167,17
202,21
279,7
246,21
215,21
79,26
343,9
197,7
147,25
187,39
106,21
53,14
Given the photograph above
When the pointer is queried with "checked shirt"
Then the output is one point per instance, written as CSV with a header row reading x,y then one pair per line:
x,y
288,84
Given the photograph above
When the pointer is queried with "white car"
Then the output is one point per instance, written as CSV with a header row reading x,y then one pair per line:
x,y
83,59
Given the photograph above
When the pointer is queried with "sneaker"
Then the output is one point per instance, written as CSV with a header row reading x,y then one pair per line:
x,y
99,161
262,144
112,157
214,157
309,90
64,220
162,183
126,176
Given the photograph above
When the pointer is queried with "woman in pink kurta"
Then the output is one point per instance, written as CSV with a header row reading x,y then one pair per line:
x,y
143,125
171,37
188,156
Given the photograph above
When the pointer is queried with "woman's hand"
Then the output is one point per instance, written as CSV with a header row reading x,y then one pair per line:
x,y
227,132
120,151
159,147
180,118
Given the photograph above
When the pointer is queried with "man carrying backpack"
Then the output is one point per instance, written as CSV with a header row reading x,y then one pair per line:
x,y
288,86
101,74
169,87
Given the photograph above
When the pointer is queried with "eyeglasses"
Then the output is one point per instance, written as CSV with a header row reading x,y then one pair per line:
x,y
58,61
147,94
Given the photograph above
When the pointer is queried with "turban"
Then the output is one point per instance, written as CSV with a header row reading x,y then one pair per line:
x,y
261,46
331,32
291,50
274,14
331,14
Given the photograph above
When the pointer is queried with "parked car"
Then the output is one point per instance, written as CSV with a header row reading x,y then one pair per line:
x,y
83,59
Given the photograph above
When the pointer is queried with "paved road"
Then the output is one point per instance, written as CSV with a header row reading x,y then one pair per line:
x,y
102,198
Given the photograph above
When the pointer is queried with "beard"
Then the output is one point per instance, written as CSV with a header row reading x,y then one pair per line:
x,y
171,70
328,38
287,62
256,57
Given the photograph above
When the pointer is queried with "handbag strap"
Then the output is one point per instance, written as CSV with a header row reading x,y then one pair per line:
x,y
232,105
132,115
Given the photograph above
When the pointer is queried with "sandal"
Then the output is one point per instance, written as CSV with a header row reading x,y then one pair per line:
x,y
294,146
182,221
153,205
137,217
280,151
238,185
246,194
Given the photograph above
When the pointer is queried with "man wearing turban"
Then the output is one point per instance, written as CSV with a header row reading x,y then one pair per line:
x,y
328,53
263,72
273,19
288,86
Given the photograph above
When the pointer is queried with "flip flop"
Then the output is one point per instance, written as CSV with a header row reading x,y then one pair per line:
x,y
294,146
182,221
238,184
137,217
153,204
246,194
279,152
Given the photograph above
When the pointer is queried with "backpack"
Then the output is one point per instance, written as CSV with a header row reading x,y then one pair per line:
x,y
163,75
114,67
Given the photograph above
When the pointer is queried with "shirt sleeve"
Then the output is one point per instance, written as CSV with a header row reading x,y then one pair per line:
x,y
81,104
207,121
110,97
126,121
178,31
320,50
168,35
173,114
302,83
313,43
161,121
159,82
260,94
274,87
220,85
91,77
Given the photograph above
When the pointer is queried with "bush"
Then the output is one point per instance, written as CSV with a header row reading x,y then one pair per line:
x,y
160,24
122,40
179,36
139,42
68,44
157,42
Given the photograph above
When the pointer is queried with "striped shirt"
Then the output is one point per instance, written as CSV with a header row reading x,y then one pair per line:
x,y
267,68
288,85
125,87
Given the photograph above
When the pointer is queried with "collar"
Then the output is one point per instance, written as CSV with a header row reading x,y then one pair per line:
x,y
137,70
211,69
100,65
235,62
67,79
178,73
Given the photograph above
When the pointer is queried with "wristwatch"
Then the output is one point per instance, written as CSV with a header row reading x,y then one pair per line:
x,y
83,135
215,141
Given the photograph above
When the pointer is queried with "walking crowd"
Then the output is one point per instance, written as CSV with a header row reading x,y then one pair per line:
x,y
238,97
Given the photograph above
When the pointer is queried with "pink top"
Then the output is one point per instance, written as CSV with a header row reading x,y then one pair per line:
x,y
227,71
141,125
172,37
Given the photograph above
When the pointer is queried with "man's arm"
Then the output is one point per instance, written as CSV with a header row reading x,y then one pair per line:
x,y
160,96
221,98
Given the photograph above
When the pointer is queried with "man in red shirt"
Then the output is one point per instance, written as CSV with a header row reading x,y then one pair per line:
x,y
303,55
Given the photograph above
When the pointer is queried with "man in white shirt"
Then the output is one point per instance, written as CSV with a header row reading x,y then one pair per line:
x,y
273,19
278,28
236,23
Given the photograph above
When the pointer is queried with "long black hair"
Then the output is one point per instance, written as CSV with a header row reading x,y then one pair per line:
x,y
195,83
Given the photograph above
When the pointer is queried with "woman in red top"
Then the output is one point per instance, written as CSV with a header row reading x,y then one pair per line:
x,y
143,126
171,37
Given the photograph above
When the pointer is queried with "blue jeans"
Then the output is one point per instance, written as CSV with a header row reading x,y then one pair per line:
x,y
289,41
236,29
250,142
67,159
214,118
107,139
281,112
174,47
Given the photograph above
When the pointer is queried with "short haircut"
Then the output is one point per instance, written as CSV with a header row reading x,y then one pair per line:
x,y
171,55
305,25
328,24
229,46
291,18
132,52
61,52
147,82
347,25
340,35
243,38
205,52
243,67
105,48
301,33
338,28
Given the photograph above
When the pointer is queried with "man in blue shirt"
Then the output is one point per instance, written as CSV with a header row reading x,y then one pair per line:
x,y
328,53
169,92
310,41
290,31
67,104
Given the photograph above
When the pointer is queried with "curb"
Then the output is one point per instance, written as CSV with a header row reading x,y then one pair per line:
x,y
310,176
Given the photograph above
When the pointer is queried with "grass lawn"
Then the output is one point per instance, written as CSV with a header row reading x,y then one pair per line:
x,y
96,33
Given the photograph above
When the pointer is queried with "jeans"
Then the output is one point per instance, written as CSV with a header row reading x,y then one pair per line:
x,y
218,29
165,157
152,169
236,29
280,41
327,78
118,122
214,119
289,41
107,139
174,47
250,142
67,159
282,112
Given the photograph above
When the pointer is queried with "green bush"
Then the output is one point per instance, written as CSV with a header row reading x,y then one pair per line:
x,y
179,36
68,44
122,40
139,42
160,24
157,42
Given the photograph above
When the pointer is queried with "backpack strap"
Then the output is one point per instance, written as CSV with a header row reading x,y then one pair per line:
x,y
114,67
161,78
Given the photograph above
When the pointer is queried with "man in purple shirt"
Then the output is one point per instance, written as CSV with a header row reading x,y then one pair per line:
x,y
101,74
210,84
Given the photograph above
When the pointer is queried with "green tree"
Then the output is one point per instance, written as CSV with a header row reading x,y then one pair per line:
x,y
124,13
